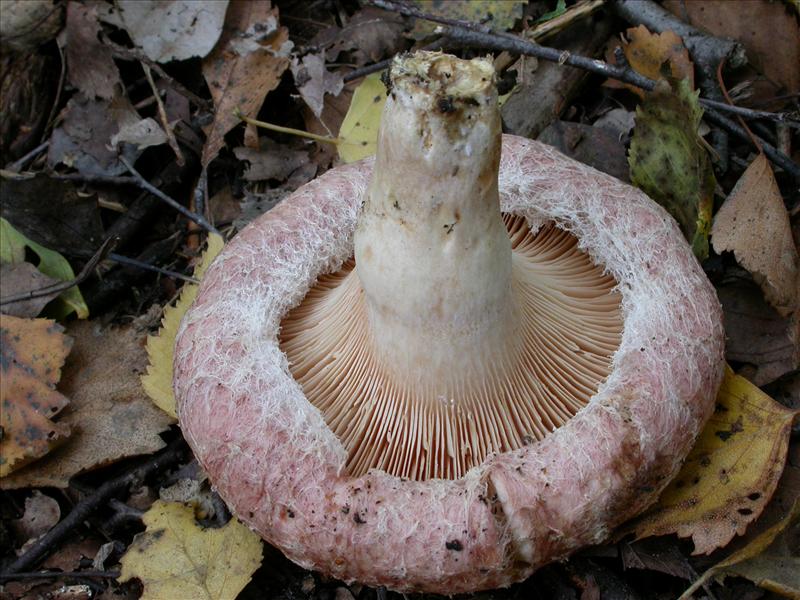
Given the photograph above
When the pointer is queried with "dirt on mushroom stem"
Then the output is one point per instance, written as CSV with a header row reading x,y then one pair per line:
x,y
458,333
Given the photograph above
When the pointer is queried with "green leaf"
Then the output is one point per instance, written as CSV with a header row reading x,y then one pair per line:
x,y
561,8
51,263
669,162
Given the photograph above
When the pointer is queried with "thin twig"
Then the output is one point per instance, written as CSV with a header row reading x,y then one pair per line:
x,y
750,113
479,36
144,184
290,130
724,91
59,575
21,163
57,288
162,115
384,64
125,260
124,53
50,540
92,178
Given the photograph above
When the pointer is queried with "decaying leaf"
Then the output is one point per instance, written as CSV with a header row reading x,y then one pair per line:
x,y
176,558
109,414
370,34
669,162
731,472
244,66
141,132
313,81
273,161
173,29
358,135
770,560
41,513
502,14
754,225
51,263
655,55
90,66
20,278
158,380
31,354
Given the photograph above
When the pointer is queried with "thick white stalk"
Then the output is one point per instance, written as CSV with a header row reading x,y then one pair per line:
x,y
432,252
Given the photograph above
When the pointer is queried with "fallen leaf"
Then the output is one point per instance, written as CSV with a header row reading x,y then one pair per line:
x,y
239,75
90,66
371,34
26,24
764,344
20,278
501,14
358,135
768,30
176,558
313,81
31,354
669,162
770,560
730,474
655,55
41,514
157,382
51,263
109,414
656,554
273,161
141,132
617,120
169,30
754,225
82,140
560,9
594,146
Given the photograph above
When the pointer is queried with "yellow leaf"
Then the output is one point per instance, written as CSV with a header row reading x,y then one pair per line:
x,y
358,135
731,472
32,352
768,560
176,558
157,382
503,14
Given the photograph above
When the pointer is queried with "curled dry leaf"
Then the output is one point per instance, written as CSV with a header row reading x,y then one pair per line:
x,y
109,414
731,473
313,81
245,65
20,278
141,132
769,561
32,352
90,66
669,161
655,55
176,558
157,382
173,29
754,225
371,34
41,514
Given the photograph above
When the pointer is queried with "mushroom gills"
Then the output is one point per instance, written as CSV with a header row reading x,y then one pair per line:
x,y
568,326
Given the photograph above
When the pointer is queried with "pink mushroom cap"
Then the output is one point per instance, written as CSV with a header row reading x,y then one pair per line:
x,y
282,471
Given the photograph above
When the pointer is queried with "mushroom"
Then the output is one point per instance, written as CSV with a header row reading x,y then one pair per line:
x,y
444,369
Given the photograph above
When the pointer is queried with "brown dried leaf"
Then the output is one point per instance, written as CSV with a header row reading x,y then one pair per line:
x,y
655,55
90,66
372,34
768,30
273,161
754,225
19,278
41,514
313,81
31,354
765,344
244,66
110,413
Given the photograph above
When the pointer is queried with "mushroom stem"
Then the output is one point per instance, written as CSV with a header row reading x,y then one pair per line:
x,y
432,251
